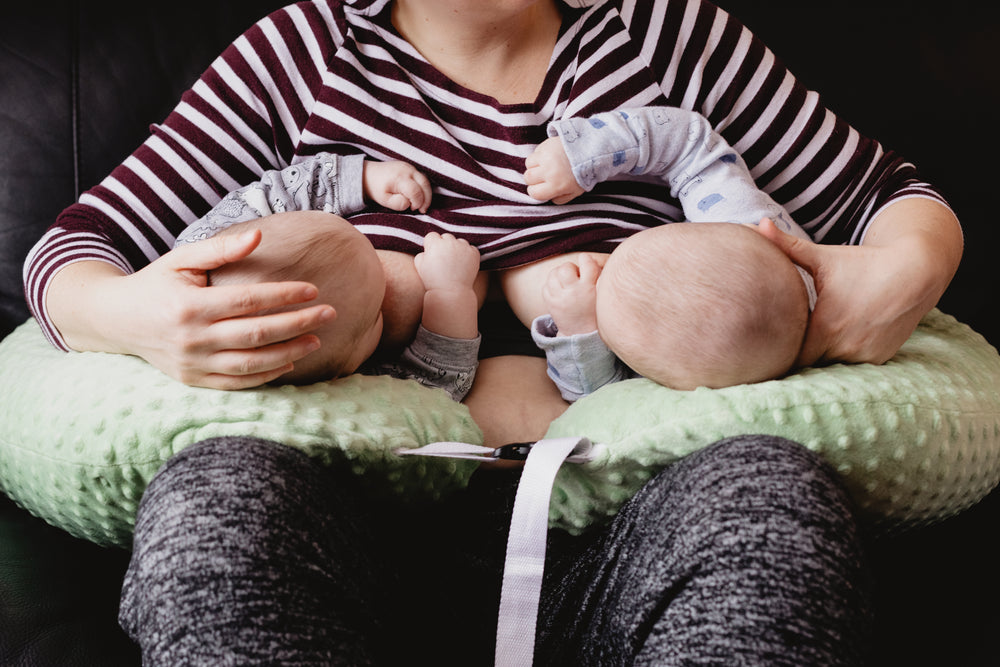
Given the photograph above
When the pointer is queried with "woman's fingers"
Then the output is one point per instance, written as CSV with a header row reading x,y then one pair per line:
x,y
252,362
211,253
227,301
862,314
245,368
247,333
805,253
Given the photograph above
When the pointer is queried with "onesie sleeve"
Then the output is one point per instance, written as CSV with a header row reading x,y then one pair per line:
x,y
322,182
706,175
579,364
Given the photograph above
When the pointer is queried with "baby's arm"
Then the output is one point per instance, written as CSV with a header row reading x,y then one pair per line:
x,y
707,176
397,185
448,268
579,362
549,174
322,182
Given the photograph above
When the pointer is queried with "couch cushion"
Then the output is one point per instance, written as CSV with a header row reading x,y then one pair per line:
x,y
58,596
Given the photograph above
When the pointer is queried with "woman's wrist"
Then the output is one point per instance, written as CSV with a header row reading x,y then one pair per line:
x,y
80,302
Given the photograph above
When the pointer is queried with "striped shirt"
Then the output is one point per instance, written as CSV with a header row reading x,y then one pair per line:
x,y
334,75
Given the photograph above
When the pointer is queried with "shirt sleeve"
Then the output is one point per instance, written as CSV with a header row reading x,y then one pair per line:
x,y
579,364
234,123
831,178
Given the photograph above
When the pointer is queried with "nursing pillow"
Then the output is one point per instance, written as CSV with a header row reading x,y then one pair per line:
x,y
916,440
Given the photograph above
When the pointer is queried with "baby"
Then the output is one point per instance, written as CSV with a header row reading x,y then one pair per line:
x,y
686,305
328,251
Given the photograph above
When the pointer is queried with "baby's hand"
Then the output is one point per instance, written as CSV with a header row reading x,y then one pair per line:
x,y
396,185
448,268
447,262
549,174
570,295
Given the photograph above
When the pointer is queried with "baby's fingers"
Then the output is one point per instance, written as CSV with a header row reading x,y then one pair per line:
x,y
416,191
565,275
589,269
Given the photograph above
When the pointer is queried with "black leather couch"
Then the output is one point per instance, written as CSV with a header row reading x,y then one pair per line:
x,y
81,81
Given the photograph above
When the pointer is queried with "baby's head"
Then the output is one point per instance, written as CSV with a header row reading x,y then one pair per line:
x,y
341,262
702,304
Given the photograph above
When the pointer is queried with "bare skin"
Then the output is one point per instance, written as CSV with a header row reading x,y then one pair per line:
x,y
522,286
500,48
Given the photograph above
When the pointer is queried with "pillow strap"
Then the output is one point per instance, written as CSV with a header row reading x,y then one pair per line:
x,y
524,562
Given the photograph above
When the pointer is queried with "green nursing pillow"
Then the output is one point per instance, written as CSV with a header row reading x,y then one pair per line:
x,y
81,434
916,440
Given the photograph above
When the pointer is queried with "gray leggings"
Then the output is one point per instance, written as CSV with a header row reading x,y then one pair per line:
x,y
246,552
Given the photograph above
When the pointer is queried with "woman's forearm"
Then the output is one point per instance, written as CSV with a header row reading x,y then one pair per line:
x,y
80,303
225,337
929,236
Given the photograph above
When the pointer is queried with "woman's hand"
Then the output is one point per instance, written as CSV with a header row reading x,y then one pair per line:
x,y
166,314
871,297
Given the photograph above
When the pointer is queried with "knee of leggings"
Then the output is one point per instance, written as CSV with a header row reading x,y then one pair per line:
x,y
763,456
229,451
773,447
224,470
747,472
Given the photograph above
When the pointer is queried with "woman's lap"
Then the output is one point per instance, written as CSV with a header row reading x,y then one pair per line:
x,y
230,558
241,533
753,535
745,552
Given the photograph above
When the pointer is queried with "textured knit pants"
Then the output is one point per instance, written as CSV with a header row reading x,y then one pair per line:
x,y
248,553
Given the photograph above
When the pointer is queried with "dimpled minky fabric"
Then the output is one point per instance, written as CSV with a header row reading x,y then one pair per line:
x,y
916,439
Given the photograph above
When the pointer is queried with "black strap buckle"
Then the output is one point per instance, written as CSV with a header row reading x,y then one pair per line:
x,y
515,451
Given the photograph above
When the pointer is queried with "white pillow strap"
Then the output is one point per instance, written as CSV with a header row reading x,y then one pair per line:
x,y
525,561
524,564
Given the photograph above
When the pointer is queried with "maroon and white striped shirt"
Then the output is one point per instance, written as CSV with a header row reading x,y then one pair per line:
x,y
334,75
